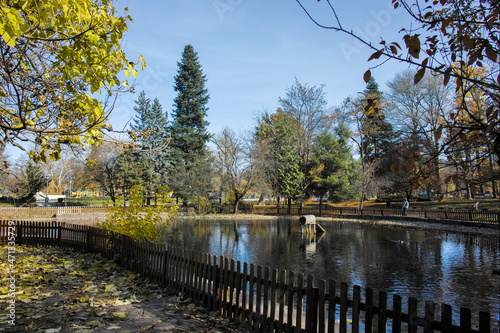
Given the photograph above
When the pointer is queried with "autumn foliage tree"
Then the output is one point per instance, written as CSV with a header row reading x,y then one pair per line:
x,y
453,39
141,222
60,60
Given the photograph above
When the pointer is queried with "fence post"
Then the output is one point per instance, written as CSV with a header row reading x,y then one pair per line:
x,y
484,322
59,233
311,305
19,232
343,306
88,243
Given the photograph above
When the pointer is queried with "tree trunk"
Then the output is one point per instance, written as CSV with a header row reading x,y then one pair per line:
x,y
236,203
236,233
493,182
289,209
261,199
468,190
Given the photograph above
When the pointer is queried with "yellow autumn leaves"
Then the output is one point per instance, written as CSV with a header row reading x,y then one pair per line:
x,y
140,221
66,53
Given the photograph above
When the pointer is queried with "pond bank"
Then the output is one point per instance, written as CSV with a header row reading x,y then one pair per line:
x,y
92,219
443,225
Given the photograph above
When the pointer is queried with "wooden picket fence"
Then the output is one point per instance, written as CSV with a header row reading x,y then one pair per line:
x,y
490,217
8,212
468,215
267,299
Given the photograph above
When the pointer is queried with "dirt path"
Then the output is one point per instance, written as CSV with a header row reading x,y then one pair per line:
x,y
63,290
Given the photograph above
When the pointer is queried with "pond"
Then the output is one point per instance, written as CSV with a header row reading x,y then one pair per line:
x,y
452,267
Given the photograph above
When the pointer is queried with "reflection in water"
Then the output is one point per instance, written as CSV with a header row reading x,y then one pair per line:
x,y
445,267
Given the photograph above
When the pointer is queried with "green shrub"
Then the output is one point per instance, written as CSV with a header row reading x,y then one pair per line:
x,y
140,221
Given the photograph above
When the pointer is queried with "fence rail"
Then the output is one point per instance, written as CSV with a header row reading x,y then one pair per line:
x,y
269,300
48,212
469,215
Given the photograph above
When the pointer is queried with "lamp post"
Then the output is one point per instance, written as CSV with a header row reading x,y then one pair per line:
x,y
47,178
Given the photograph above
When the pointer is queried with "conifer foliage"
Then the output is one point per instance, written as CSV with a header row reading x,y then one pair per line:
x,y
189,129
151,132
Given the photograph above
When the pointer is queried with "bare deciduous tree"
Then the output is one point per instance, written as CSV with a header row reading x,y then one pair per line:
x,y
234,164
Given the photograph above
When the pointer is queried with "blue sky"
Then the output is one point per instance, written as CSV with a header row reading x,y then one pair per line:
x,y
252,51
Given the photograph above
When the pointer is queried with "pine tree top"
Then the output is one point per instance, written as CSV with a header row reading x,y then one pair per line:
x,y
372,88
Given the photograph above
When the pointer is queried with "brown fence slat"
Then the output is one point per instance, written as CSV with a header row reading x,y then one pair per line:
x,y
369,310
244,288
231,286
290,301
322,306
356,301
213,285
382,311
265,298
332,301
300,301
273,297
465,320
343,307
251,295
484,322
429,317
281,290
311,305
258,301
237,278
397,310
413,318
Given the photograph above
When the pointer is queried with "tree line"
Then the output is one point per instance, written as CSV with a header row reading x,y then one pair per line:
x,y
433,132
375,144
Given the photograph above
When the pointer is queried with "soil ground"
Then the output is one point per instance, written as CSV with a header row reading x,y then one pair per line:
x,y
63,290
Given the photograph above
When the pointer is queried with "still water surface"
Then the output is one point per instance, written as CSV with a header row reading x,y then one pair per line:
x,y
455,268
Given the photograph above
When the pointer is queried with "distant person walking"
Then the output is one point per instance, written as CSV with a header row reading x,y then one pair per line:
x,y
405,207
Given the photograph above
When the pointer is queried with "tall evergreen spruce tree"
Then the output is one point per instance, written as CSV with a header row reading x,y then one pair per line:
x,y
142,110
159,138
150,128
379,142
189,127
379,138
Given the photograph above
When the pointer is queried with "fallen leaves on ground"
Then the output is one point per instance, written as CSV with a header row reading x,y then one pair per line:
x,y
64,290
